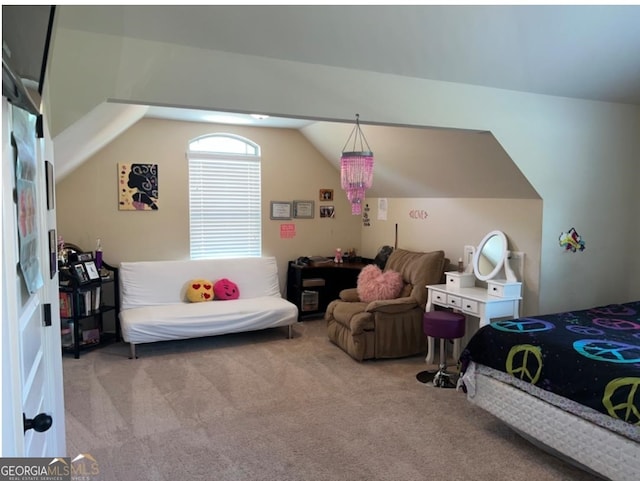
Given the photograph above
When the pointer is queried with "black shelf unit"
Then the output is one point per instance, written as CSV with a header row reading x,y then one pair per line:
x,y
312,287
82,310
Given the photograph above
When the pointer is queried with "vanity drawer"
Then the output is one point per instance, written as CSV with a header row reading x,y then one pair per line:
x,y
454,301
457,280
504,289
439,297
470,306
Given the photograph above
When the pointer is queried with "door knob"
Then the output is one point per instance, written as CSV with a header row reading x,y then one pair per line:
x,y
40,423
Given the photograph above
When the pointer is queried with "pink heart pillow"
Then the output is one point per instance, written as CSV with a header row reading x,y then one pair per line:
x,y
376,285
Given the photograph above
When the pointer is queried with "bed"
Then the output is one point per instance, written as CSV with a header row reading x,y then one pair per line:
x,y
569,382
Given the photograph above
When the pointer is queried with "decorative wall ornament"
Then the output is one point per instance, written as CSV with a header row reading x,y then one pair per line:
x,y
356,168
418,214
137,186
572,241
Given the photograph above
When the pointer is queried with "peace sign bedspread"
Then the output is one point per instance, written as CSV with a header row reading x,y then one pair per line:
x,y
591,356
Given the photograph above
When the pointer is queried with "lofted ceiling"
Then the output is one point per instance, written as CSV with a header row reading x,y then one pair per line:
x,y
587,52
582,51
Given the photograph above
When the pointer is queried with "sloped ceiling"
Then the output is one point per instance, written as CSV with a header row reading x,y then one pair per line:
x,y
576,51
422,162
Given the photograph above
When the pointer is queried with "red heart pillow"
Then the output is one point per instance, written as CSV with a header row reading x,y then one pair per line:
x,y
376,285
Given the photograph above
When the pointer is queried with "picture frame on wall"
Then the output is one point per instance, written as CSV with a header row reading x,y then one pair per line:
x,y
280,210
326,194
327,211
303,209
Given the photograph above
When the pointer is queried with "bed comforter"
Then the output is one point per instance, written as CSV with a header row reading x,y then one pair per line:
x,y
590,356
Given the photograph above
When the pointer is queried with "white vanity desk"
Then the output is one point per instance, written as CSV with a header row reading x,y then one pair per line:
x,y
475,301
501,298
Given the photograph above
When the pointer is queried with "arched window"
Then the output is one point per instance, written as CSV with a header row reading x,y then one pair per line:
x,y
225,214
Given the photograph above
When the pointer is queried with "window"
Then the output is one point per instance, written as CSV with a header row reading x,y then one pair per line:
x,y
225,213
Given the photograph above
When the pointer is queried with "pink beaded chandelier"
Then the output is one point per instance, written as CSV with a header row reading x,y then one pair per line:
x,y
356,168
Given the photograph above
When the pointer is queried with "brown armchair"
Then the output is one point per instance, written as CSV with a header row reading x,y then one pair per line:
x,y
390,328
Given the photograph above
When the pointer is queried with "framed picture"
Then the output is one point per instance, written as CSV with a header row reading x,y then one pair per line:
x,y
53,253
92,270
85,256
51,195
327,211
326,194
79,272
303,209
280,210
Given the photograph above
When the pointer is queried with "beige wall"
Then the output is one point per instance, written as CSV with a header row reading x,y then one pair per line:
x,y
87,204
580,156
291,170
450,224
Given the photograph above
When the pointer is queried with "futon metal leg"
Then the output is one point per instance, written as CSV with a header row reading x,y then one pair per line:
x,y
132,349
290,335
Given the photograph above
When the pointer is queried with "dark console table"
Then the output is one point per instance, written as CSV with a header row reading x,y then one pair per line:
x,y
312,287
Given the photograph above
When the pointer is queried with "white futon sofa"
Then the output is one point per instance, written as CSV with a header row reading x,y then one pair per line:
x,y
154,305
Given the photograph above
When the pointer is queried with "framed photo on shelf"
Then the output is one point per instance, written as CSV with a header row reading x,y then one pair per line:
x,y
92,270
280,210
85,256
326,194
303,209
80,273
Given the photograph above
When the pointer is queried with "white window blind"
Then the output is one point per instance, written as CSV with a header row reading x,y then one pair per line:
x,y
225,214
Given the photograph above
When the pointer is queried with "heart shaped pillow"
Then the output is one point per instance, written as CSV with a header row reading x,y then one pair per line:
x,y
376,285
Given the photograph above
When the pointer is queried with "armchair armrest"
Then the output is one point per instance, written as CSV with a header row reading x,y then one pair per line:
x,y
350,295
393,306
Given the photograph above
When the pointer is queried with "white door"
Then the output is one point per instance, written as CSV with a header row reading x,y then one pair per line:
x,y
31,351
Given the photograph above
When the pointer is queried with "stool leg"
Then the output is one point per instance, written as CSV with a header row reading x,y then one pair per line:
x,y
430,349
456,349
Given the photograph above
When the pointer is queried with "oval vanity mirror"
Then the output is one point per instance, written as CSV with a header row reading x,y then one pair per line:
x,y
490,255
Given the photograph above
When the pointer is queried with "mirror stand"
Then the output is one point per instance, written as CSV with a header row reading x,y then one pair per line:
x,y
511,277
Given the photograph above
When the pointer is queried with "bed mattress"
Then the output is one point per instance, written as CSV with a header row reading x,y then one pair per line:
x,y
589,445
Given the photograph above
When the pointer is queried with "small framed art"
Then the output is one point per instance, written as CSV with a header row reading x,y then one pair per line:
x,y
80,273
280,210
85,256
303,209
92,270
327,211
326,194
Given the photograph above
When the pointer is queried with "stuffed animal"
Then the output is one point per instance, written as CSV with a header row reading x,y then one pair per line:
x,y
200,290
226,290
338,258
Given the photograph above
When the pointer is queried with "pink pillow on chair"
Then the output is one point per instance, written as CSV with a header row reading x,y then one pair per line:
x,y
375,285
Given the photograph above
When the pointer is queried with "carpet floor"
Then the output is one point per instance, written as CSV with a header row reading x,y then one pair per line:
x,y
259,406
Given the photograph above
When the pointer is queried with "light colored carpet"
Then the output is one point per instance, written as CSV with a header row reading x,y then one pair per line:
x,y
259,406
